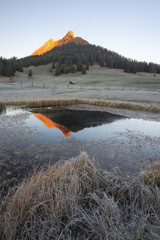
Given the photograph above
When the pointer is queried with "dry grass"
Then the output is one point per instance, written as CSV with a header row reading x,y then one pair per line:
x,y
151,174
75,200
65,102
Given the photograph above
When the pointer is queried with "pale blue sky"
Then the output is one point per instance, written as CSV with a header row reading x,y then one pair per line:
x,y
128,27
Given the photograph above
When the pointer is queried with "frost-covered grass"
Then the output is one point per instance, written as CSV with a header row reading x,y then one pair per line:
x,y
75,200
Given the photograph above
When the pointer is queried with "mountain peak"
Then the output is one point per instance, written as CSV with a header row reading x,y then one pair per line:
x,y
50,44
70,34
50,41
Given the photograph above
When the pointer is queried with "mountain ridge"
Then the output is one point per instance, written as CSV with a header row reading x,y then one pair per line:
x,y
74,54
50,44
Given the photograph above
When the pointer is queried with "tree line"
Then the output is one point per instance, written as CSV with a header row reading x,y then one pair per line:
x,y
74,57
8,67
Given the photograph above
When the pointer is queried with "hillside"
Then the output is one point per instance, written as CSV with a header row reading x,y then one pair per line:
x,y
74,54
73,57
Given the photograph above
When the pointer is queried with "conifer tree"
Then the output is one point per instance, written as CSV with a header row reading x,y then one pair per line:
x,y
83,69
57,71
30,73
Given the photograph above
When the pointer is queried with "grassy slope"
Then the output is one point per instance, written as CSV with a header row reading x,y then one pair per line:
x,y
96,75
75,200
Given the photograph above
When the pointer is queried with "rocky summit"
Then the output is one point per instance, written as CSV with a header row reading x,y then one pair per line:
x,y
50,44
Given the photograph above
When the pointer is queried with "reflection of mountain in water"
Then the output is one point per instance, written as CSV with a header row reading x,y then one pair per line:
x,y
74,120
49,123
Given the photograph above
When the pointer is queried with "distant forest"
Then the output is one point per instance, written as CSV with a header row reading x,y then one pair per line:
x,y
74,57
9,66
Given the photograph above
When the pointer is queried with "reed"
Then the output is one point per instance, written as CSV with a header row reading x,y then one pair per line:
x,y
75,200
104,103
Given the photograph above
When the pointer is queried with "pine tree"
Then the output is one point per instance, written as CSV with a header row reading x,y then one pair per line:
x,y
73,68
57,71
30,74
87,66
53,65
83,69
1,67
79,66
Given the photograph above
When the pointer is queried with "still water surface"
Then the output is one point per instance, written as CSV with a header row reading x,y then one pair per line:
x,y
34,138
83,125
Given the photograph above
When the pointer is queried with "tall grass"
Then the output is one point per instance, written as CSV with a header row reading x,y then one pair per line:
x,y
151,175
65,102
75,200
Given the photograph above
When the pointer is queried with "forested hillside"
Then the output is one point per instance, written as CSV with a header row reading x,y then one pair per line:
x,y
73,57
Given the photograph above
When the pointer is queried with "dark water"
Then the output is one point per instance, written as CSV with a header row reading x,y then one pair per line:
x,y
34,138
82,125
85,125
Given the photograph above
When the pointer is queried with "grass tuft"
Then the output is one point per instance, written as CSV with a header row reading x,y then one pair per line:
x,y
75,200
151,175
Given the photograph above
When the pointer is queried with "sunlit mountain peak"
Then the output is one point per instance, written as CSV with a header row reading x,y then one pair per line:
x,y
50,44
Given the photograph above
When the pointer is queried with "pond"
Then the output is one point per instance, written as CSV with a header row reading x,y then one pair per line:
x,y
34,138
83,125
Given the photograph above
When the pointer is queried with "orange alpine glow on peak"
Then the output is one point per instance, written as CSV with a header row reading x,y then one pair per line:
x,y
50,44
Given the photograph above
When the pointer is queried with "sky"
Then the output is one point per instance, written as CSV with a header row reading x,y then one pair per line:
x,y
128,27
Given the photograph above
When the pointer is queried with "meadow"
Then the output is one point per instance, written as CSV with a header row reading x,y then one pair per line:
x,y
95,77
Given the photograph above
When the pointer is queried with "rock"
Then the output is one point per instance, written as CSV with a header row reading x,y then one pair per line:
x,y
50,44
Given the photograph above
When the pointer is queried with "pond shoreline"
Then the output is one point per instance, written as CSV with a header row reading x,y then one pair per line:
x,y
120,111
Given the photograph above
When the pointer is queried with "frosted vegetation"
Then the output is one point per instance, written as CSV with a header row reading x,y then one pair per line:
x,y
75,200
